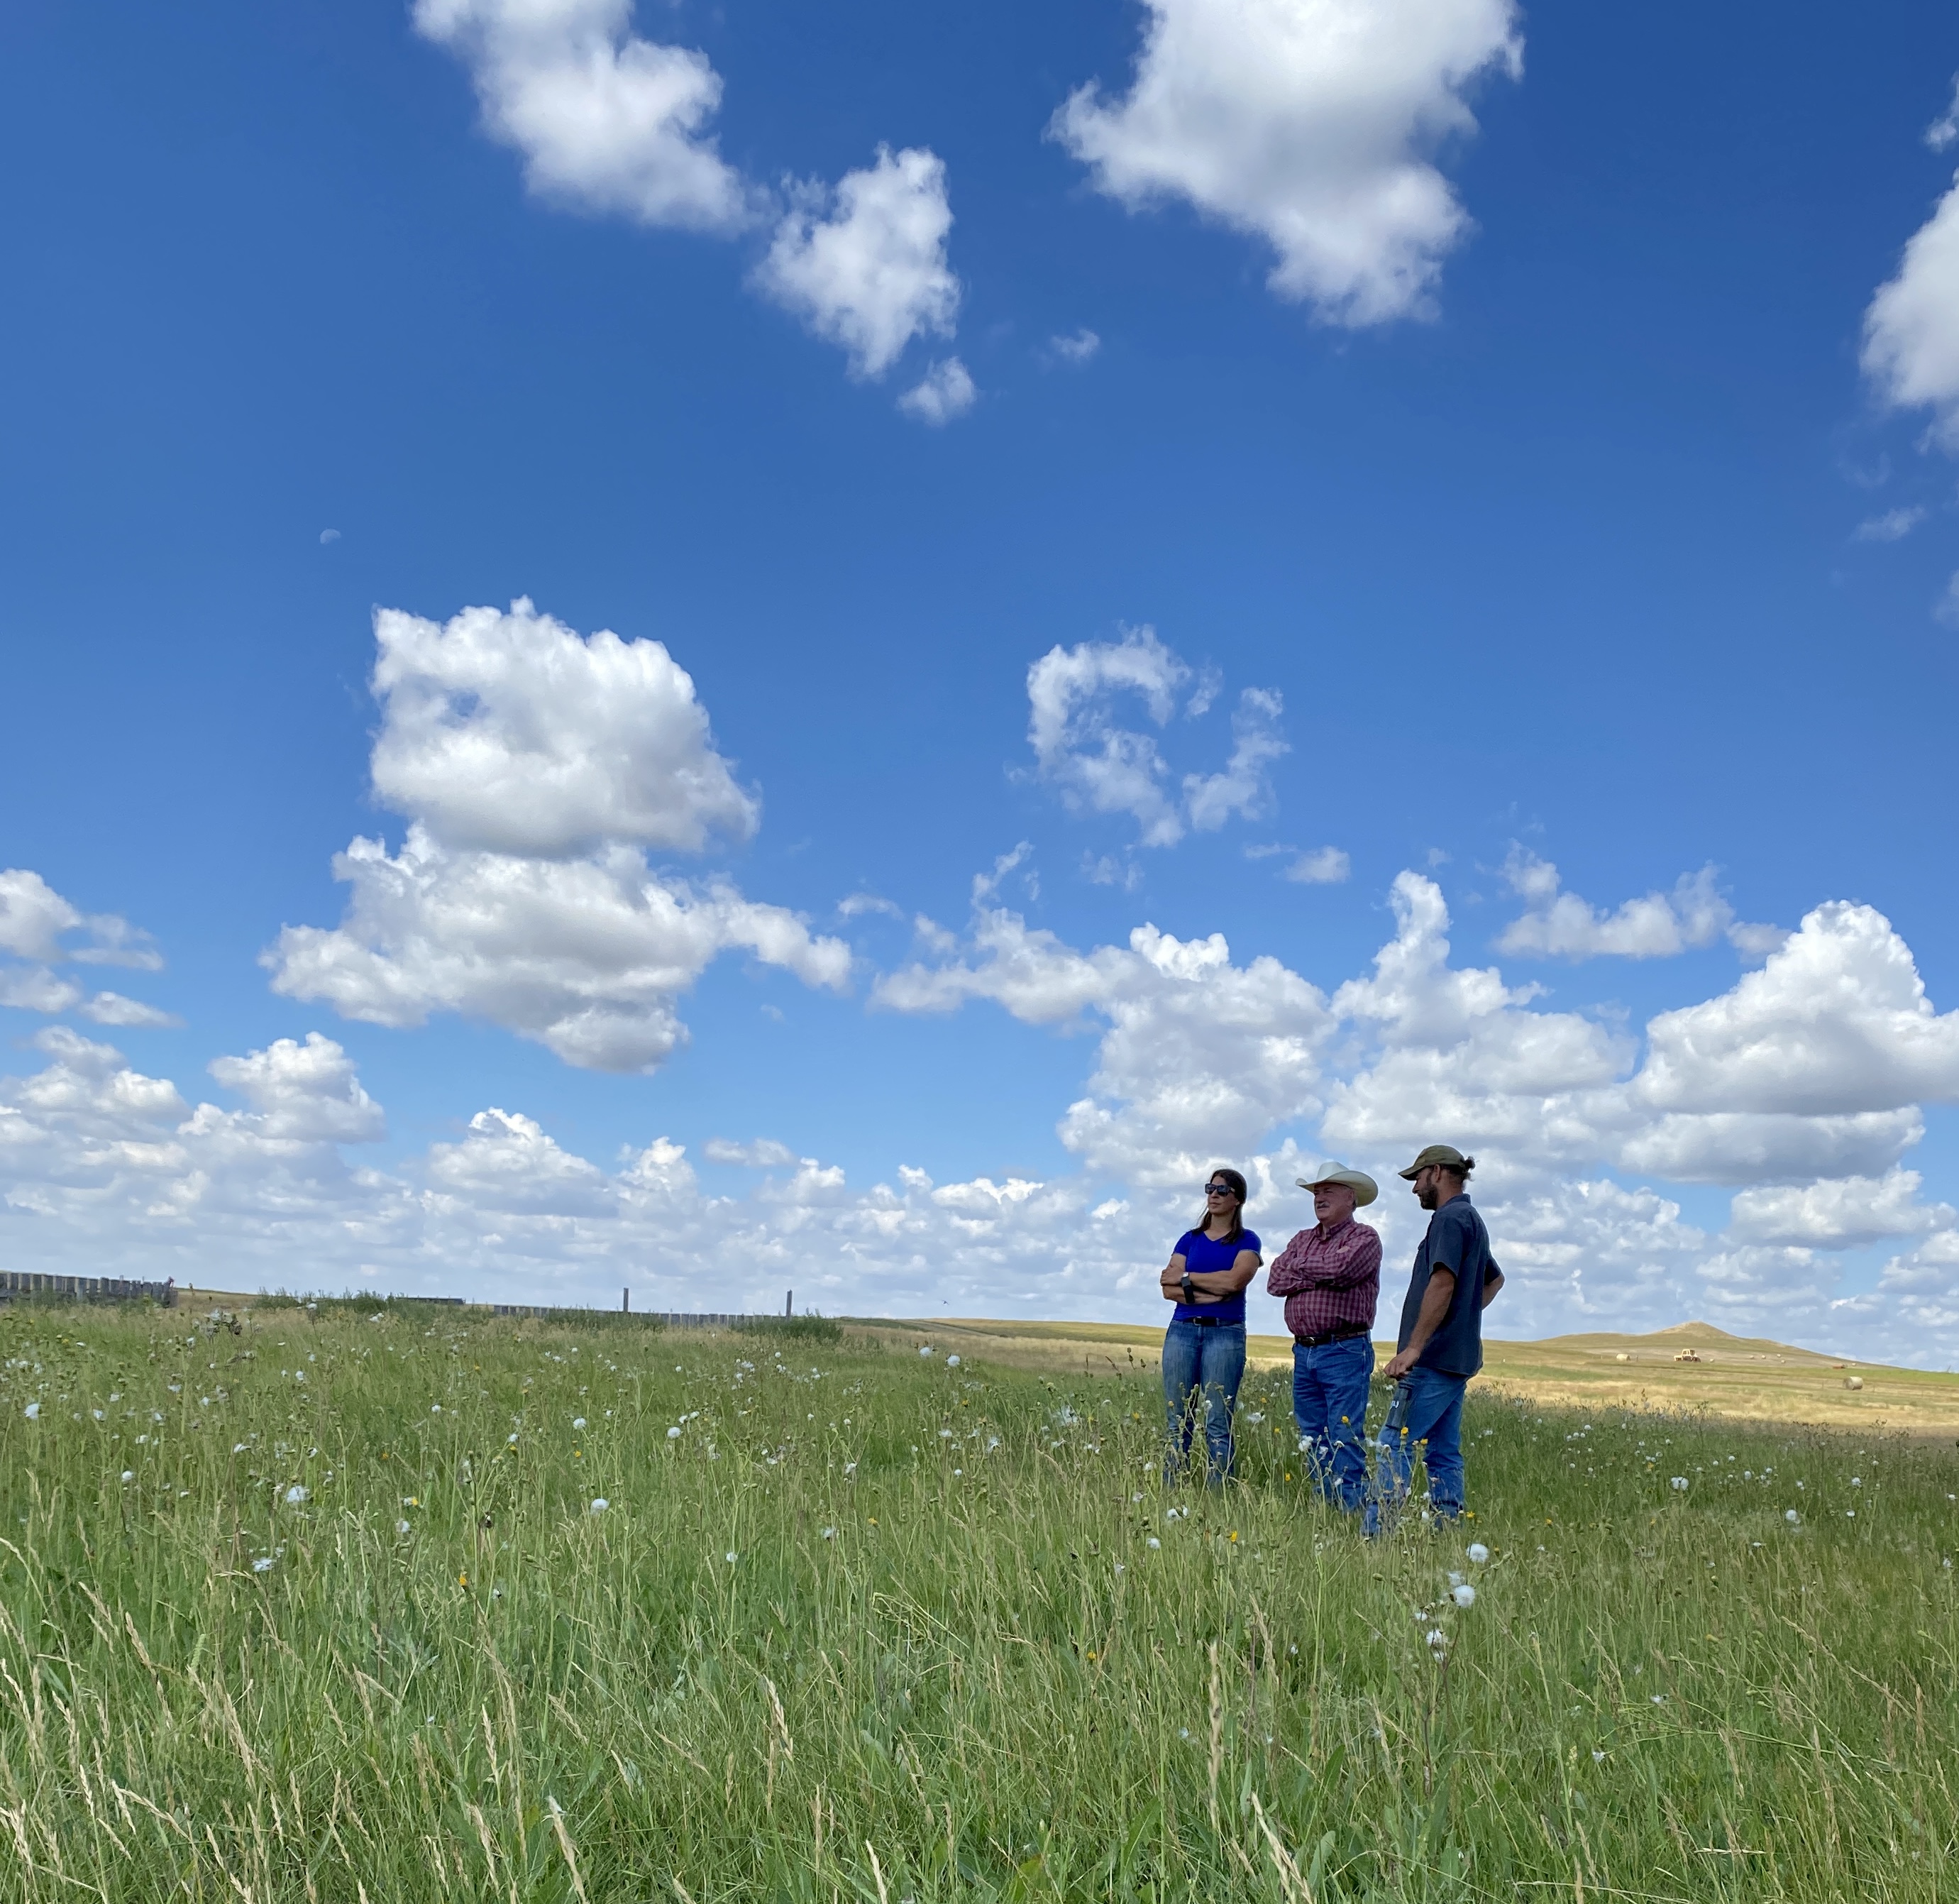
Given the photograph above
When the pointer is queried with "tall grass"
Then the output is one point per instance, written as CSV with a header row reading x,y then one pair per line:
x,y
863,1626
807,1328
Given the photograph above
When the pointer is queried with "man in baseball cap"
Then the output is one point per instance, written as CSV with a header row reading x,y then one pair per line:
x,y
1330,1276
1440,1345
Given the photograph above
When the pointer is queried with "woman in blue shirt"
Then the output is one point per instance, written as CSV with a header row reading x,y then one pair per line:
x,y
1203,1348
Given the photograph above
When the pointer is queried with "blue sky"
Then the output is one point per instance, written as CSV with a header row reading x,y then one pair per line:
x,y
1550,418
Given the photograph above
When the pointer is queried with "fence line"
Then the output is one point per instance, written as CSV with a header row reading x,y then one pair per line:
x,y
85,1288
110,1289
674,1318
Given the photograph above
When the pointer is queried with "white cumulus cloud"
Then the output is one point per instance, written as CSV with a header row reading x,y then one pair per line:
x,y
1911,330
507,732
944,392
306,1092
587,956
1891,526
1839,1213
36,922
1916,1300
765,1153
1764,1146
1210,799
1198,1055
1836,1023
33,917
1310,123
33,988
609,121
108,1171
1585,1251
605,121
872,274
1324,865
1101,766
534,766
1075,347
1456,1050
1812,1067
112,1008
1799,1087
1560,925
1944,130
43,929
506,1163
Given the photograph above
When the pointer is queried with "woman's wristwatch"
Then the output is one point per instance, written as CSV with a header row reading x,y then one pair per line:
x,y
1189,1288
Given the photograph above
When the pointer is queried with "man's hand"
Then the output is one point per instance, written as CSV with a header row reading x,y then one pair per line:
x,y
1435,1301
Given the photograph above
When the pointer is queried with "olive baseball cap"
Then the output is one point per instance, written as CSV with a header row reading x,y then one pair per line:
x,y
1435,1154
1363,1187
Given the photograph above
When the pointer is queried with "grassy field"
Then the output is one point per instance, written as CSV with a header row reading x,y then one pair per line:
x,y
377,1604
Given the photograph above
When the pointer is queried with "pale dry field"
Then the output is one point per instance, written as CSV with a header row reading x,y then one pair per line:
x,y
1733,1378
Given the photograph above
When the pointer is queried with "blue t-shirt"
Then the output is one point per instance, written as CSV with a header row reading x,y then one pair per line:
x,y
1457,1241
1202,1256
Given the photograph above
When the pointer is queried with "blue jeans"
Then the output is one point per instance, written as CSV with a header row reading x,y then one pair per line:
x,y
1434,1426
1202,1366
1329,1403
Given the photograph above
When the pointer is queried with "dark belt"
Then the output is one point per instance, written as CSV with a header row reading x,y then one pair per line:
x,y
1330,1336
1215,1322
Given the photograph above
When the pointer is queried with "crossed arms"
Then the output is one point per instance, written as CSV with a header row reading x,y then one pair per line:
x,y
1209,1285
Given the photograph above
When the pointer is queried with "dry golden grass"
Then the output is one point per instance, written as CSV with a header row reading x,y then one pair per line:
x,y
1734,1377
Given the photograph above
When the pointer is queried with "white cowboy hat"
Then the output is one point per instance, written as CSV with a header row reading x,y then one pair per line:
x,y
1363,1187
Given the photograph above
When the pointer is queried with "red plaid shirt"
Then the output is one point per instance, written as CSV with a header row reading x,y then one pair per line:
x,y
1329,1282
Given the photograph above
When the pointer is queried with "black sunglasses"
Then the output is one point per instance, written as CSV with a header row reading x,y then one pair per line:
x,y
1219,1190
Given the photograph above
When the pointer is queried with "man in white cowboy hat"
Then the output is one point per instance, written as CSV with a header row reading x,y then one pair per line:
x,y
1330,1276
